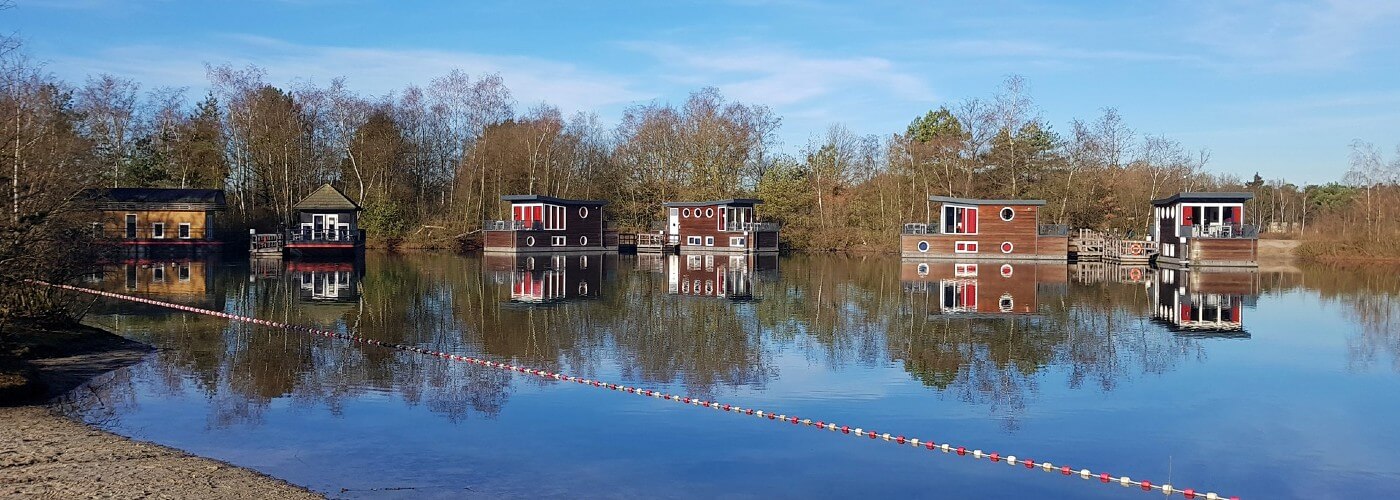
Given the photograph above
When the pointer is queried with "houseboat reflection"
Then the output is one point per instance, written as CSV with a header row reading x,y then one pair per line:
x,y
186,280
982,288
1204,303
547,279
717,275
326,282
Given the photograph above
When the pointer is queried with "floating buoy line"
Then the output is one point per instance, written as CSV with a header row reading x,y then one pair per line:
x,y
858,432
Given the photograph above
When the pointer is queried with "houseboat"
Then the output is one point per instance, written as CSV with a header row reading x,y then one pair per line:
x,y
548,279
545,224
149,218
1204,302
717,226
973,229
326,222
980,288
1204,230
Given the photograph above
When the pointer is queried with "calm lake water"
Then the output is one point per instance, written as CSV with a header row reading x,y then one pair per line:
x,y
1268,384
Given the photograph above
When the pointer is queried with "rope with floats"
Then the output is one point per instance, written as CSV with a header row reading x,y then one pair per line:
x,y
858,432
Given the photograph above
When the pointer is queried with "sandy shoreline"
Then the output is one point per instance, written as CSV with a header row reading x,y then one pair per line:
x,y
44,454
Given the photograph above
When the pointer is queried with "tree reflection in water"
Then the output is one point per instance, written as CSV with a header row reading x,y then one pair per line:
x,y
988,335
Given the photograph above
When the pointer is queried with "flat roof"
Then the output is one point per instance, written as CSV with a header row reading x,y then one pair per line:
x,y
527,198
730,201
134,198
974,201
1204,197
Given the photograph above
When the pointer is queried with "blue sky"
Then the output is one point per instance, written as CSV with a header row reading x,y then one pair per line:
x,y
1281,88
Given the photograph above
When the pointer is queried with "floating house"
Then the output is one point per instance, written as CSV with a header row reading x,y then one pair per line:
x,y
156,217
1206,303
982,288
1204,230
973,229
717,226
325,222
544,224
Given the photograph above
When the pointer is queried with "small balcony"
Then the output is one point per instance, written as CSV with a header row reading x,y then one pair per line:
x,y
919,228
1052,230
349,236
506,225
753,227
1221,231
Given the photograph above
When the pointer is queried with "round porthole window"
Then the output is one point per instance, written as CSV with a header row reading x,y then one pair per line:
x,y
1006,304
1006,247
709,212
583,240
1006,270
583,262
1007,214
583,212
923,269
923,246
529,241
685,213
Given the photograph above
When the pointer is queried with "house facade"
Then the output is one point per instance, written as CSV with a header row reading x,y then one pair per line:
x,y
326,221
1207,302
1204,230
981,287
545,224
719,226
156,216
977,229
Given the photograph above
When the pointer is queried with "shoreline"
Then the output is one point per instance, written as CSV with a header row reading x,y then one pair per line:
x,y
46,454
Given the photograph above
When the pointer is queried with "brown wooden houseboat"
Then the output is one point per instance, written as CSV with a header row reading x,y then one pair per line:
x,y
1204,230
975,229
716,226
545,224
156,217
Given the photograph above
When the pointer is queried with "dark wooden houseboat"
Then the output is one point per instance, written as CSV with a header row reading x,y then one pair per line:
x,y
717,226
974,229
1204,230
545,224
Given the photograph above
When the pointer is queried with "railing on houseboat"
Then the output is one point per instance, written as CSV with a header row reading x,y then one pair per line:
x,y
325,235
1242,231
503,225
757,227
1052,230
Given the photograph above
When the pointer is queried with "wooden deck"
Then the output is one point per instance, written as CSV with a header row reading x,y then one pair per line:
x,y
1092,246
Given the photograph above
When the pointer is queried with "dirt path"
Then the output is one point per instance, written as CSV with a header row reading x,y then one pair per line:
x,y
46,455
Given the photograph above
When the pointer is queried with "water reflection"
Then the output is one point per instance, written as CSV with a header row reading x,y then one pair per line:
x,y
544,279
1206,303
717,275
987,288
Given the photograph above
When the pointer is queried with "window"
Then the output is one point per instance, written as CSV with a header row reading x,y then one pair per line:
x,y
1006,270
1006,303
583,212
158,230
958,295
709,241
1007,214
583,241
184,230
736,241
959,220
529,241
131,226
922,269
965,247
923,246
685,213
1007,247
184,272
709,212
558,241
158,274
965,270
692,240
583,262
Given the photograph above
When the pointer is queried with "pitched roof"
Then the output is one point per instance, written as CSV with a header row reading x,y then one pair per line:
x,y
538,198
156,198
730,201
326,197
1222,197
974,201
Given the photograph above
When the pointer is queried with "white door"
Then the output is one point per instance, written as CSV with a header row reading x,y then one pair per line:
x,y
332,228
675,222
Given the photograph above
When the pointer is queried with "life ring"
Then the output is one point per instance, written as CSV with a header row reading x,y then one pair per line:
x,y
1135,248
1135,274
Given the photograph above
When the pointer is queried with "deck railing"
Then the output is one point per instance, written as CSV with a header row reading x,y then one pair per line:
x,y
656,239
149,233
1223,231
757,227
1053,230
502,225
325,235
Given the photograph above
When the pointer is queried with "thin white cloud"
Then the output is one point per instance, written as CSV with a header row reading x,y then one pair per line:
x,y
1020,49
1285,36
779,77
370,71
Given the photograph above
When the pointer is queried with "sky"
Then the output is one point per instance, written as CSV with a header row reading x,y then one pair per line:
x,y
1282,88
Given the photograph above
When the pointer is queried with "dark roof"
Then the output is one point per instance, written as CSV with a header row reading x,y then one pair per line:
x,y
974,201
730,201
531,198
1204,198
326,197
156,198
